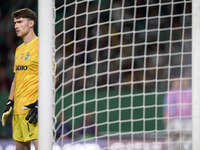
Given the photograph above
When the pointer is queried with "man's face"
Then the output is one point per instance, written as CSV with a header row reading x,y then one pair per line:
x,y
22,26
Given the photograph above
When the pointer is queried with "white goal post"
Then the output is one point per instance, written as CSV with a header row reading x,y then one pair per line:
x,y
196,74
45,34
117,61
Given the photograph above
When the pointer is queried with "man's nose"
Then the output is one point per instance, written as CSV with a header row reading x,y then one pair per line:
x,y
16,26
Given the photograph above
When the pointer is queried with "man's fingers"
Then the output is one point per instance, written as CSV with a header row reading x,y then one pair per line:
x,y
3,120
36,120
5,116
29,115
26,107
6,112
32,114
32,118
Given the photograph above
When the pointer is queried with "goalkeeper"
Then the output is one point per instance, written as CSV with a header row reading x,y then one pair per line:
x,y
24,89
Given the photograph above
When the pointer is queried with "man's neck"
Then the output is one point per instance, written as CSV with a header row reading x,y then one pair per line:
x,y
29,37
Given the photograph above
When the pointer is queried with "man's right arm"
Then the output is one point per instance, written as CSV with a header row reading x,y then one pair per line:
x,y
12,89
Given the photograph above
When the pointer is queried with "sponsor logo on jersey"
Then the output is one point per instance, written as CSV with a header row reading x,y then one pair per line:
x,y
21,67
27,56
22,56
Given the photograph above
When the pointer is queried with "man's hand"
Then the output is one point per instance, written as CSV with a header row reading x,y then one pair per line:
x,y
6,112
33,113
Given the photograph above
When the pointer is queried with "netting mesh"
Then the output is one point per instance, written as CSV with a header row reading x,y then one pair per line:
x,y
117,60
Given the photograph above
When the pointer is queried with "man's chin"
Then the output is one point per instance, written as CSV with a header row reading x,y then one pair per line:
x,y
19,35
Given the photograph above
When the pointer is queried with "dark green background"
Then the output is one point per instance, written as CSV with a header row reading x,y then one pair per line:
x,y
116,108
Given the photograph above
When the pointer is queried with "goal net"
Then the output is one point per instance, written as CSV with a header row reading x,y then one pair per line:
x,y
125,74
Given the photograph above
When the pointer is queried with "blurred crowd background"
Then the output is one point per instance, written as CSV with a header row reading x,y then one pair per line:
x,y
154,41
117,40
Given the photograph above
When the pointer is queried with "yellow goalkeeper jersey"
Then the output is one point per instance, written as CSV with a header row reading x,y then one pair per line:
x,y
26,70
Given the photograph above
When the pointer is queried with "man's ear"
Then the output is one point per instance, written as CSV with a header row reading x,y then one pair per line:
x,y
31,23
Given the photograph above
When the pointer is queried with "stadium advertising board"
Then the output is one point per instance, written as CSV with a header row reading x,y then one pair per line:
x,y
125,144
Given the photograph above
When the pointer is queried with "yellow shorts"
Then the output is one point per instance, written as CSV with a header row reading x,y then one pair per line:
x,y
23,131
